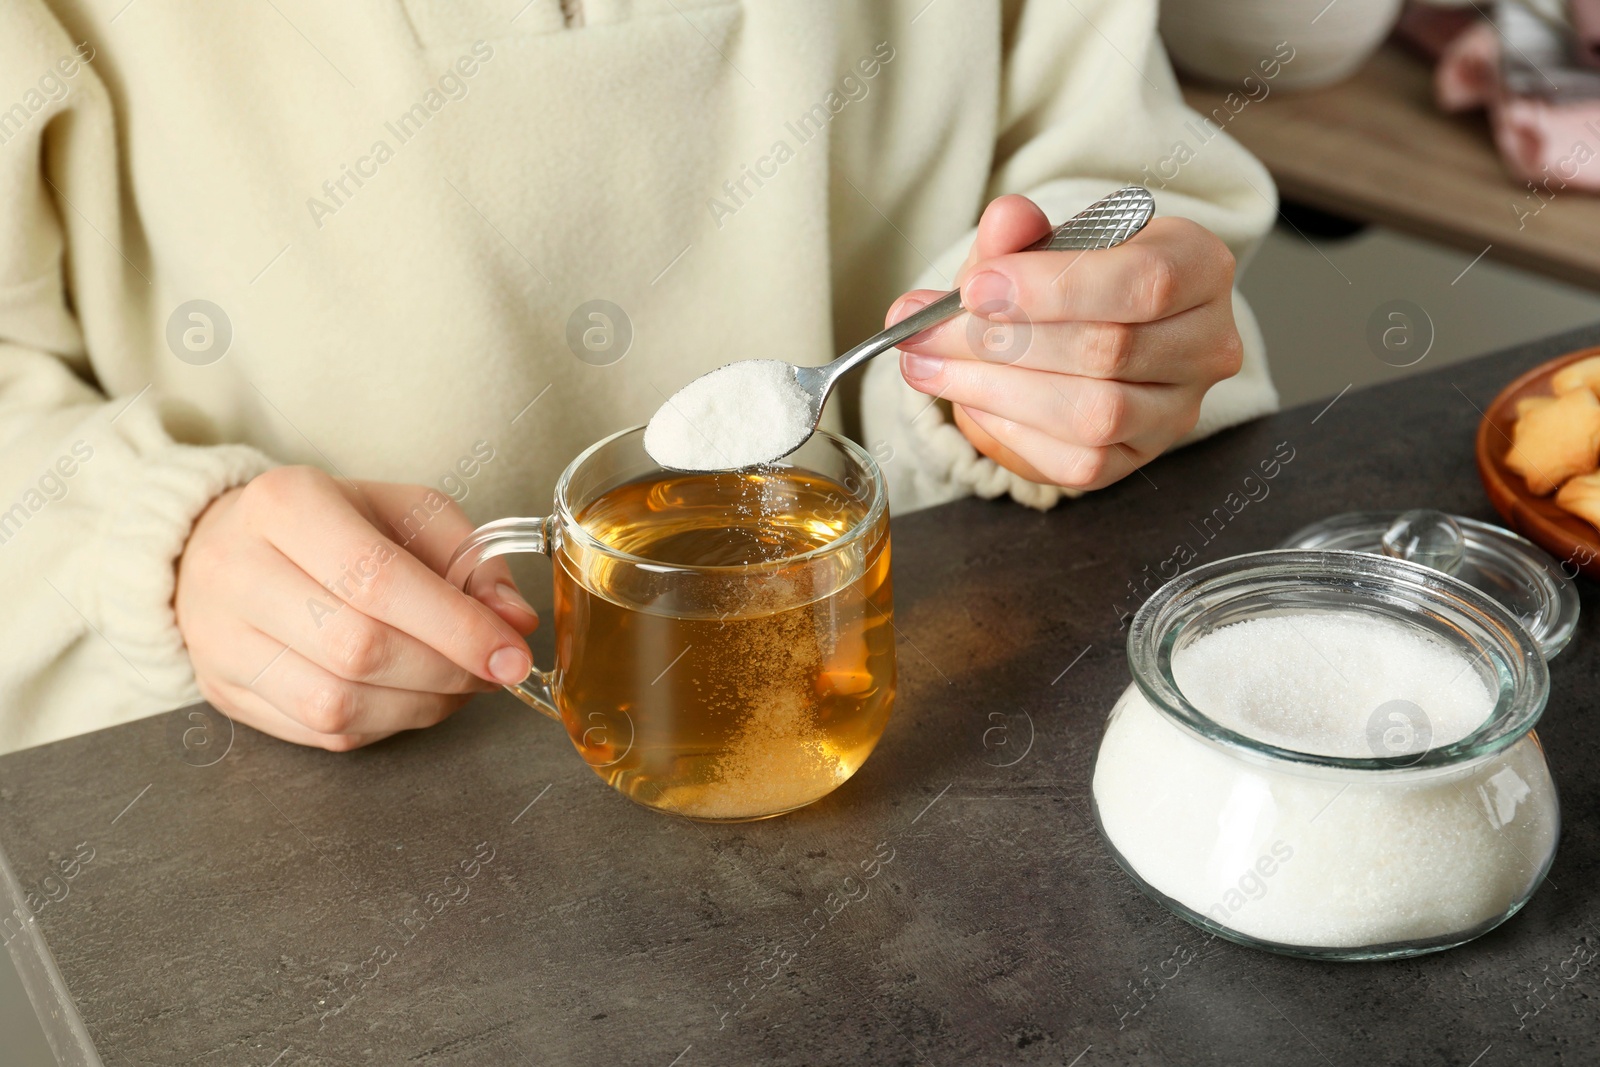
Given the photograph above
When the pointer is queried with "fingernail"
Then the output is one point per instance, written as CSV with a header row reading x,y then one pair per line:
x,y
509,665
918,368
511,598
987,288
905,309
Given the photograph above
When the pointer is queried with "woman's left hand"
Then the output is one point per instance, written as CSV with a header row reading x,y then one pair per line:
x,y
1075,368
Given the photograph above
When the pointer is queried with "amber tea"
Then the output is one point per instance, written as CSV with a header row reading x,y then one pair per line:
x,y
732,656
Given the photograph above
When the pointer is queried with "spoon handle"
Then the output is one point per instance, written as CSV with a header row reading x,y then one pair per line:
x,y
1103,224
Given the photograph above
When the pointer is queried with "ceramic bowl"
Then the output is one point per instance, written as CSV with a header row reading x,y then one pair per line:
x,y
1224,41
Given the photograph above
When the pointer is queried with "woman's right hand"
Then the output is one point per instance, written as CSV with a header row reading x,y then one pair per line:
x,y
315,609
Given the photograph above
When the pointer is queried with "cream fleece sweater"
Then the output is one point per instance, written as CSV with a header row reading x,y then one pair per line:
x,y
397,212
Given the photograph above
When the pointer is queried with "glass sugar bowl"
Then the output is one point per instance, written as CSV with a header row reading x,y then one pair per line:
x,y
1330,754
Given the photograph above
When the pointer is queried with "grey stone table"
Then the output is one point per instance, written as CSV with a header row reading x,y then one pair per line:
x,y
473,894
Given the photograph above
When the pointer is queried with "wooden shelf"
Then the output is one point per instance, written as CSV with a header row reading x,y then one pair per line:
x,y
1375,148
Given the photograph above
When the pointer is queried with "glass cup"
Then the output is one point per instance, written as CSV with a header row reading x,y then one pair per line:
x,y
724,642
1411,850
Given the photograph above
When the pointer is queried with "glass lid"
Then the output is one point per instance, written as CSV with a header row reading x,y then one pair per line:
x,y
1512,570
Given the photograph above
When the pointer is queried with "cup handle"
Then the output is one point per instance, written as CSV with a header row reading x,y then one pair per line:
x,y
501,538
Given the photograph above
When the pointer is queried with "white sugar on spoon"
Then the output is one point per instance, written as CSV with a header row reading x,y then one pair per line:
x,y
740,415
759,410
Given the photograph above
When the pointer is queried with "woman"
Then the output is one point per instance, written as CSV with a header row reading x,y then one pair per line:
x,y
288,290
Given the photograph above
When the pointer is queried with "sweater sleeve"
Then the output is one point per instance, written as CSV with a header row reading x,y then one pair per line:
x,y
96,495
1089,103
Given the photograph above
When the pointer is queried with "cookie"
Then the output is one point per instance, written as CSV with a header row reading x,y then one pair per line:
x,y
1580,375
1556,441
1581,496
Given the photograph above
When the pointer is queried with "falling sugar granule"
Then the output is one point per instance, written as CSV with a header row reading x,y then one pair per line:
x,y
781,757
779,761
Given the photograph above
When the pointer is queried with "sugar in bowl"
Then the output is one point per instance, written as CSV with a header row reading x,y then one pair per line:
x,y
1330,753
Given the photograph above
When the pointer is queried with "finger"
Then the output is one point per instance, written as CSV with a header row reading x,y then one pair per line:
x,y
1195,345
1083,411
1009,224
1038,457
1171,266
431,527
327,704
380,579
341,639
915,301
242,705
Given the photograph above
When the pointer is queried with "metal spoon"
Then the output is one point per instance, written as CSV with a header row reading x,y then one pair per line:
x,y
1103,224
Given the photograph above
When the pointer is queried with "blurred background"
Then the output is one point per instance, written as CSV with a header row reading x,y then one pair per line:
x,y
1437,162
1314,298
